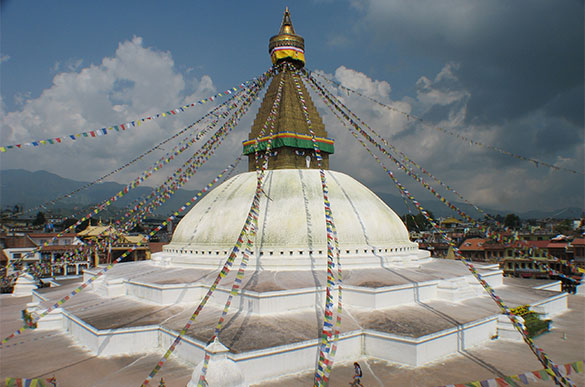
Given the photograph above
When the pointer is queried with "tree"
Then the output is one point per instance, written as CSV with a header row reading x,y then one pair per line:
x,y
67,223
417,222
137,229
512,221
39,219
564,227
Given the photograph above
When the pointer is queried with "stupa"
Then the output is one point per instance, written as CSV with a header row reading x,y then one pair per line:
x,y
399,304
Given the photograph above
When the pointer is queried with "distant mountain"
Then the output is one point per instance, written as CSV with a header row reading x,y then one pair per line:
x,y
440,210
30,189
437,208
563,213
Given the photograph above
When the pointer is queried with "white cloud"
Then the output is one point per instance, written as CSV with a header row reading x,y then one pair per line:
x,y
484,177
136,82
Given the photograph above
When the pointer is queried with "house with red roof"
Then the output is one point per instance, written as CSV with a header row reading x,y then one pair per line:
x,y
482,250
578,245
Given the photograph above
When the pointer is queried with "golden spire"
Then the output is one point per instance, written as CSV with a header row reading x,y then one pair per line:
x,y
286,26
287,45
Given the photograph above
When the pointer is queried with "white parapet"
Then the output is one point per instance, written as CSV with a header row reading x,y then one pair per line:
x,y
53,320
111,342
24,286
506,329
456,289
555,286
551,306
165,294
420,350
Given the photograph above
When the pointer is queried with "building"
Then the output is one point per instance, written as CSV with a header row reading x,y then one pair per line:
x,y
19,250
108,244
53,250
43,253
482,250
578,245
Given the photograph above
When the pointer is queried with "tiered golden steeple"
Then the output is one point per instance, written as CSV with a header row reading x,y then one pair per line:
x,y
292,141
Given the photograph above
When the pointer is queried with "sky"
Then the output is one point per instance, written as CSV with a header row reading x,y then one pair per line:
x,y
505,74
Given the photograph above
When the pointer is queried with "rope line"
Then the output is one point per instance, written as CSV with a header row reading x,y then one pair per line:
x,y
540,354
457,135
330,330
224,271
131,162
224,130
166,159
107,268
130,124
486,230
255,208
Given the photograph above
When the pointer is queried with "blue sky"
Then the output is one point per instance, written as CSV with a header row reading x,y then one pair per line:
x,y
223,40
505,74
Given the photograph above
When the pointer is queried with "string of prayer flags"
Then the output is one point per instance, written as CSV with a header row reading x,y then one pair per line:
x,y
456,135
129,124
166,159
242,111
25,382
181,176
524,378
354,120
213,112
539,353
224,271
329,333
251,232
128,252
225,129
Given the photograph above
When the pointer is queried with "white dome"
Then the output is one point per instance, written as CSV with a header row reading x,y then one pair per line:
x,y
291,222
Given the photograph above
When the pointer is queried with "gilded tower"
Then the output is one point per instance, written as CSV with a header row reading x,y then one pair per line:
x,y
292,145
